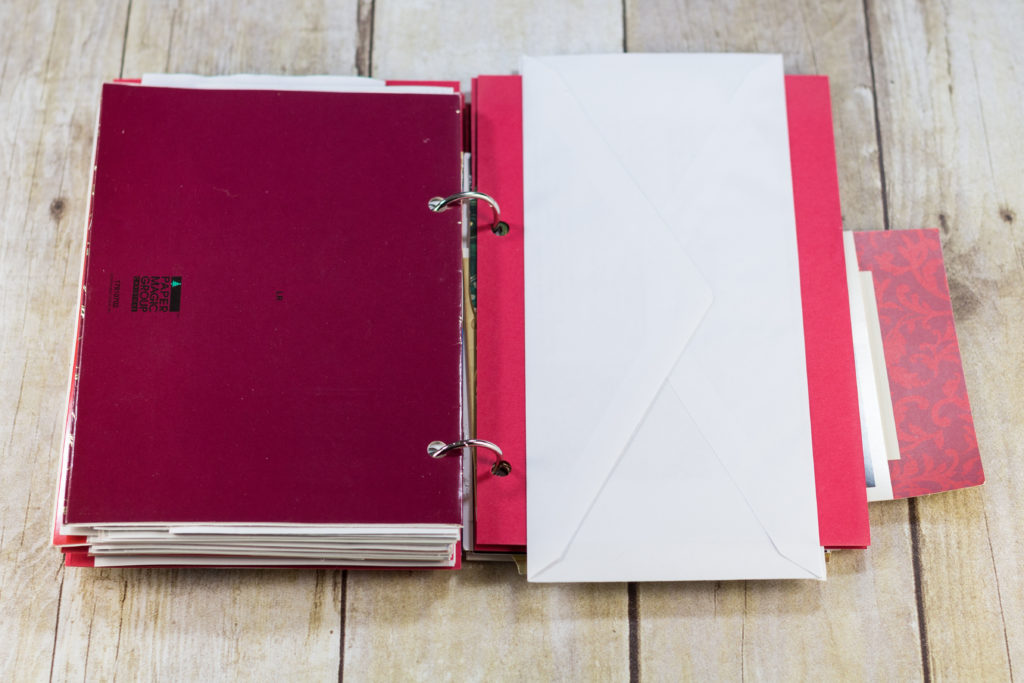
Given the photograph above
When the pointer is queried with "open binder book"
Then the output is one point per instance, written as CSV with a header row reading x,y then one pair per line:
x,y
270,352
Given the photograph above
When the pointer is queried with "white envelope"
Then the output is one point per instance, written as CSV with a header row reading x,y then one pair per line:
x,y
668,428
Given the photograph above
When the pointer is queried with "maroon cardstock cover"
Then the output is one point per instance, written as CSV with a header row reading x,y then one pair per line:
x,y
315,349
934,426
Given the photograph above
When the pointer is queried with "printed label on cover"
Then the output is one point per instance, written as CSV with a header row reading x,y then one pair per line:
x,y
156,293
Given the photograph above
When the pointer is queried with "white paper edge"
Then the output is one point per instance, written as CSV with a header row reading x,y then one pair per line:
x,y
867,391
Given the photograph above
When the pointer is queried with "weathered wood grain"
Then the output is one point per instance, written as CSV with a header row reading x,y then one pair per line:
x,y
199,625
863,620
53,56
950,81
791,630
210,624
460,40
192,36
482,623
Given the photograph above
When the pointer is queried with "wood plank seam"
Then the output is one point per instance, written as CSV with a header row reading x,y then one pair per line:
x,y
878,122
56,620
124,39
999,591
341,626
364,33
743,633
915,555
633,619
625,28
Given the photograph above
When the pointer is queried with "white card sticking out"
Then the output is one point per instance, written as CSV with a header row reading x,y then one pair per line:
x,y
876,458
888,417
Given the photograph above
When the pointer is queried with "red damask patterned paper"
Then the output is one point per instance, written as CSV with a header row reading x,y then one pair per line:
x,y
938,445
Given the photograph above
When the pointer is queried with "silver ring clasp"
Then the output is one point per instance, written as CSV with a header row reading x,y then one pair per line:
x,y
439,204
440,449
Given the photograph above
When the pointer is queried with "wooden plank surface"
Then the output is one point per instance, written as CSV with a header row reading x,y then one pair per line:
x,y
239,36
950,86
863,620
926,101
460,40
483,623
198,625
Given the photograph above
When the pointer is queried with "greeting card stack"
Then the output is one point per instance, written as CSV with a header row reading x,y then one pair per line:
x,y
675,368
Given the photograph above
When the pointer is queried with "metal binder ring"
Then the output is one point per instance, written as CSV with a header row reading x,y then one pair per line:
x,y
440,449
439,204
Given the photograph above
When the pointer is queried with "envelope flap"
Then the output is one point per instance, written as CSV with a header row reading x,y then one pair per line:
x,y
623,96
611,299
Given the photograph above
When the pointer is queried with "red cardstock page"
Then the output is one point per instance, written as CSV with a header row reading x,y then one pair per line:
x,y
500,318
272,327
938,445
838,455
828,337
